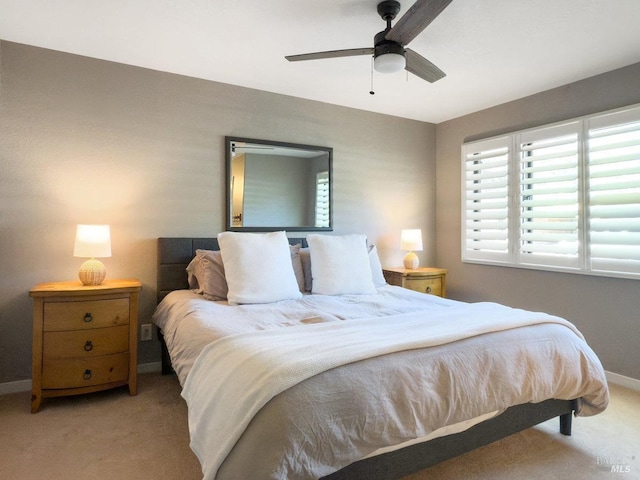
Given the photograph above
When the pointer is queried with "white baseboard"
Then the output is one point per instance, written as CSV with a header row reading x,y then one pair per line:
x,y
25,385
15,387
621,380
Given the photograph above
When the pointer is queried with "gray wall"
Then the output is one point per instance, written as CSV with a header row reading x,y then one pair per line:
x,y
89,141
606,310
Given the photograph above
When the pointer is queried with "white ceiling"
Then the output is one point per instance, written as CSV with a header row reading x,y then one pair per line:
x,y
493,51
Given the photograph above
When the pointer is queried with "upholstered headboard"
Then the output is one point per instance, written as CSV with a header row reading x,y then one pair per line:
x,y
175,253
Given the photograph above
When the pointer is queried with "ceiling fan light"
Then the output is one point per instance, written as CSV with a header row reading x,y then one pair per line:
x,y
389,63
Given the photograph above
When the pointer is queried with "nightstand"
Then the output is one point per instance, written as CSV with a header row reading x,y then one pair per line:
x,y
425,280
85,338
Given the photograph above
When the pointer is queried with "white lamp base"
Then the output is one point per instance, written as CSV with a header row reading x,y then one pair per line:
x,y
92,272
411,261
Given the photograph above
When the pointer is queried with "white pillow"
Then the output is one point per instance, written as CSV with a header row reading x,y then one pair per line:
x,y
258,267
340,265
376,267
374,262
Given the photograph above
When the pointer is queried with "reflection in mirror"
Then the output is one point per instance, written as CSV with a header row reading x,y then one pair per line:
x,y
277,186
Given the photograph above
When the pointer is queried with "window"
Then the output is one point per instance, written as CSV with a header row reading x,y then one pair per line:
x,y
487,200
549,230
322,199
614,192
561,197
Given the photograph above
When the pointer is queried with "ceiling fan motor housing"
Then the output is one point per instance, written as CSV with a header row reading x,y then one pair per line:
x,y
383,46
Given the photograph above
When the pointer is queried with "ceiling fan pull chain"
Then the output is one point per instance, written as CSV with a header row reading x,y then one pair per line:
x,y
371,92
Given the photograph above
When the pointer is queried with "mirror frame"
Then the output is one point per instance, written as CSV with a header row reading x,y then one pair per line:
x,y
228,193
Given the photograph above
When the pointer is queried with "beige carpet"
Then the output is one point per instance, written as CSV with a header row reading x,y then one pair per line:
x,y
110,435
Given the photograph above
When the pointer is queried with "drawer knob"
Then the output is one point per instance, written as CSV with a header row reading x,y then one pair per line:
x,y
88,346
87,374
428,289
88,317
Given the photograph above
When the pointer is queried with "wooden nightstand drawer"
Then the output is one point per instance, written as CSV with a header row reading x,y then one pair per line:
x,y
80,372
425,285
86,343
85,314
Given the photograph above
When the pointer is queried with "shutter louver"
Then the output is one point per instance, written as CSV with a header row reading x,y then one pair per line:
x,y
486,209
322,200
549,197
614,197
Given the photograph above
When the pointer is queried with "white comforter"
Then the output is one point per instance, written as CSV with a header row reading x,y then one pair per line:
x,y
239,387
189,323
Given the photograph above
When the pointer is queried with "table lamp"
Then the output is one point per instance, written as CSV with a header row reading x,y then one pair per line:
x,y
92,241
411,240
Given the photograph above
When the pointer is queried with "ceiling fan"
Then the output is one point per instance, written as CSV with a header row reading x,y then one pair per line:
x,y
389,52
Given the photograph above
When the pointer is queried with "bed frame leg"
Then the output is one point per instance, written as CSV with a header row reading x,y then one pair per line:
x,y
167,369
565,423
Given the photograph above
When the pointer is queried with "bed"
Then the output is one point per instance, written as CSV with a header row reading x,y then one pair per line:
x,y
386,426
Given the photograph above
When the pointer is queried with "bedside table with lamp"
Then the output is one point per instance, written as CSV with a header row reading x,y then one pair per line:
x,y
85,333
421,279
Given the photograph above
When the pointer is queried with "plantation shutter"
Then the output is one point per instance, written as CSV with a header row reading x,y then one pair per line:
x,y
614,192
322,199
549,232
486,200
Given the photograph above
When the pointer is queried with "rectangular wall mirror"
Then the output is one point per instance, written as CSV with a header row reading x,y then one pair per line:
x,y
278,186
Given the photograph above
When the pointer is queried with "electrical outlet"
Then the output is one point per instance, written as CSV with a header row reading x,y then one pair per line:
x,y
145,332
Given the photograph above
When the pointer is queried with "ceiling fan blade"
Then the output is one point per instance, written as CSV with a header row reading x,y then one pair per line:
x,y
415,20
423,68
330,54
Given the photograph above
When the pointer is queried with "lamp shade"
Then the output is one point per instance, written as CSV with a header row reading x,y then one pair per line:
x,y
389,63
411,240
92,241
